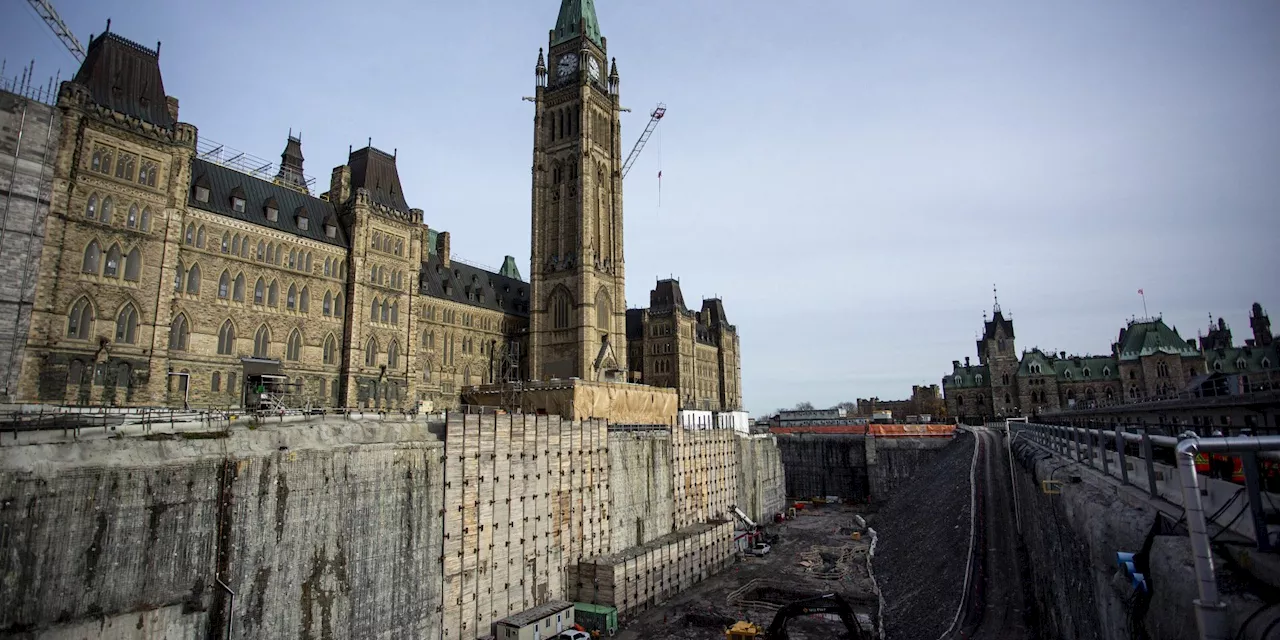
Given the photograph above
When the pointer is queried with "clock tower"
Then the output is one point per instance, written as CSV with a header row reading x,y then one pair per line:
x,y
578,310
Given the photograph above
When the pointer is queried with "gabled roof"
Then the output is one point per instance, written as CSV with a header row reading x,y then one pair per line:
x,y
466,284
1149,337
376,172
222,182
967,377
997,320
1254,358
124,76
577,17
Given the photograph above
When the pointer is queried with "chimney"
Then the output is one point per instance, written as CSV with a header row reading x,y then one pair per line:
x,y
966,362
442,247
340,185
1062,354
171,103
955,364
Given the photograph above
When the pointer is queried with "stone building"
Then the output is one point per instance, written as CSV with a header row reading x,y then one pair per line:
x,y
577,271
925,400
694,352
1149,360
169,277
29,133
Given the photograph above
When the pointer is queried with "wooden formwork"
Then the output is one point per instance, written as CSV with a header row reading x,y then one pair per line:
x,y
523,499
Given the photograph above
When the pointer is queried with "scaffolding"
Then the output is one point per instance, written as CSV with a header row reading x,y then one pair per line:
x,y
237,160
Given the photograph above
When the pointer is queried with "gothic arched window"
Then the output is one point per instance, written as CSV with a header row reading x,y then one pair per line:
x,y
92,258
179,331
80,320
262,342
227,339
293,349
127,325
560,305
604,310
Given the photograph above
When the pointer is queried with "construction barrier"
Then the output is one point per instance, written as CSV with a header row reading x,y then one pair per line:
x,y
877,430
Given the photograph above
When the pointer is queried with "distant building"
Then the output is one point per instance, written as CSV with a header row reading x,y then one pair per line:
x,y
694,352
924,401
1149,360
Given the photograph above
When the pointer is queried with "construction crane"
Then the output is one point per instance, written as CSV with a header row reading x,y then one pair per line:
x,y
654,119
60,29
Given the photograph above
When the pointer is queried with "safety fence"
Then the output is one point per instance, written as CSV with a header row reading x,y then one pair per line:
x,y
1140,458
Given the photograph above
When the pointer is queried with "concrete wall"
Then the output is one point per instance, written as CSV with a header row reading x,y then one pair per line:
x,y
28,145
640,487
853,466
321,531
891,462
824,465
1072,538
761,477
334,529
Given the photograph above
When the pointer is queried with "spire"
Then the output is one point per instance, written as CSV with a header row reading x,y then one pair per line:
x,y
577,18
290,174
613,78
540,71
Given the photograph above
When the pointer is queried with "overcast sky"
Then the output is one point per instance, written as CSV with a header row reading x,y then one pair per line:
x,y
851,177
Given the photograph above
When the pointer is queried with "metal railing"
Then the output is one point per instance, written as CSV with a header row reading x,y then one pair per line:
x,y
1095,446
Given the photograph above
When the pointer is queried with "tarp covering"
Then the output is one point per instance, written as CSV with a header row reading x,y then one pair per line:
x,y
619,403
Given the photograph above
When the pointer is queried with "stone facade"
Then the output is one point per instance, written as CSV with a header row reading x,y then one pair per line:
x,y
167,279
1149,361
578,273
29,134
695,353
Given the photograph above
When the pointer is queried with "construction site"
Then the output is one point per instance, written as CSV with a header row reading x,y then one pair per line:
x,y
823,549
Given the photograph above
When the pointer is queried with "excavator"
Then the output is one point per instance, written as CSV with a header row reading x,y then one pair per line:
x,y
827,603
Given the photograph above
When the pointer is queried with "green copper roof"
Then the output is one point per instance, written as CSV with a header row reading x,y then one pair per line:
x,y
577,16
509,269
1149,337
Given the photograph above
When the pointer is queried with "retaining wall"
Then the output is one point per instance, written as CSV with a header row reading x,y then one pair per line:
x,y
761,477
321,532
853,467
1072,538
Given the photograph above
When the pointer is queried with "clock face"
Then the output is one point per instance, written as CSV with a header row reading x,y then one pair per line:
x,y
594,69
568,64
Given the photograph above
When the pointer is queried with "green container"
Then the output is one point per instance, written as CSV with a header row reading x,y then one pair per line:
x,y
596,617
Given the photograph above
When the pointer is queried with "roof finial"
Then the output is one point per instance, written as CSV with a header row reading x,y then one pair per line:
x,y
157,49
996,293
370,142
108,26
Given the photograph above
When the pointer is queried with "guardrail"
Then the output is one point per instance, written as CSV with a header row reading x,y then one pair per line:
x,y
1083,443
1105,449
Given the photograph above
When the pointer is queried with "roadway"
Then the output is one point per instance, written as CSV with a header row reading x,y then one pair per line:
x,y
1000,612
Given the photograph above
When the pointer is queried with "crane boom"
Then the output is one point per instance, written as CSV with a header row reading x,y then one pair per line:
x,y
654,119
50,17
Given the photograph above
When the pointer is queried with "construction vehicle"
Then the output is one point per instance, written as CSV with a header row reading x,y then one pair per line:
x,y
830,603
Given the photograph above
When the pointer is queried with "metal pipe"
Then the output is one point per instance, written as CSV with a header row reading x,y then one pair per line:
x,y
231,606
1211,612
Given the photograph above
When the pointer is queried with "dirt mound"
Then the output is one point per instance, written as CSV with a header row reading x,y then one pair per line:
x,y
923,546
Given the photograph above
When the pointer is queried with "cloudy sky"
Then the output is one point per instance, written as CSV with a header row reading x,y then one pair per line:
x,y
852,177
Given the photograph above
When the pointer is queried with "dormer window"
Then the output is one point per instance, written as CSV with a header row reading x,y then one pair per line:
x,y
302,221
271,210
1067,373
237,204
1241,364
202,194
330,231
1086,372
1106,372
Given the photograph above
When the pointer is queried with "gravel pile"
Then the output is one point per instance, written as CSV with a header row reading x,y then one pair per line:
x,y
923,546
